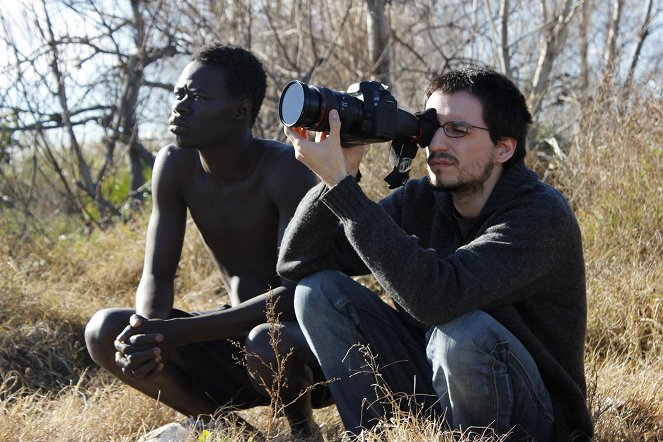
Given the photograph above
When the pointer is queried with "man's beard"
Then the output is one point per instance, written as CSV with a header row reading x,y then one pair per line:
x,y
467,184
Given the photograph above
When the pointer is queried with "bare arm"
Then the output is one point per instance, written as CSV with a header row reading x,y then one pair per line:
x,y
313,240
139,354
163,244
287,181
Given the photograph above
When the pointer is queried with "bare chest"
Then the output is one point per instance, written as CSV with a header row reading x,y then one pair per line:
x,y
234,219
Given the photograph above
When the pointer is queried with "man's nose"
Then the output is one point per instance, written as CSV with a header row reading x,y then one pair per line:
x,y
180,106
439,142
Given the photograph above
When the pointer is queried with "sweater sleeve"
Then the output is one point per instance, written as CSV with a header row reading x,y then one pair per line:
x,y
314,240
523,245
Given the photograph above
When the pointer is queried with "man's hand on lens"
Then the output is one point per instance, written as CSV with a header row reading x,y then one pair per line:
x,y
325,156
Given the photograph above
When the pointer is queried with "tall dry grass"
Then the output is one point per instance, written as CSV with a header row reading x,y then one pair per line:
x,y
613,178
51,282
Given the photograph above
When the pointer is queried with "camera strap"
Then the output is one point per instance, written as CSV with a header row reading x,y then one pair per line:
x,y
401,155
403,149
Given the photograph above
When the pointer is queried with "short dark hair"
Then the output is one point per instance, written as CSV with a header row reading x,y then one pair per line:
x,y
244,74
504,107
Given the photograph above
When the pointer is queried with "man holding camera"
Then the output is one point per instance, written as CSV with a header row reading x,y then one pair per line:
x,y
483,262
241,192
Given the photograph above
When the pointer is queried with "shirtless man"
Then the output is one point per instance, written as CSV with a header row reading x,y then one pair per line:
x,y
241,192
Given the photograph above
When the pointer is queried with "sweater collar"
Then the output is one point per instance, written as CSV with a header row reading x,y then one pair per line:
x,y
513,181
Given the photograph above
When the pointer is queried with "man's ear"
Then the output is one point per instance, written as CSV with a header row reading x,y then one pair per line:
x,y
504,149
243,109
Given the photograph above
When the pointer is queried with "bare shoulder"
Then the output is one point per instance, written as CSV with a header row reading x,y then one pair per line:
x,y
276,151
280,165
174,163
170,154
287,180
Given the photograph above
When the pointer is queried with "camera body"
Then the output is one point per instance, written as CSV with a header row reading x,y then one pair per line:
x,y
369,112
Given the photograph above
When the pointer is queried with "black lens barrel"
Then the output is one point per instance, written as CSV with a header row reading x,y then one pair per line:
x,y
308,107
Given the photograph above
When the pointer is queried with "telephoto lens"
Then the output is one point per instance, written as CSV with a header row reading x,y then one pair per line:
x,y
308,107
368,112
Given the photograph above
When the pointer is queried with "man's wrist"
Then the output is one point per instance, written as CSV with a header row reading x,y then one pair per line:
x,y
357,176
332,181
176,331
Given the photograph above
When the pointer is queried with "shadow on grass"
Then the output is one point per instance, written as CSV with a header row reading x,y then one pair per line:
x,y
39,351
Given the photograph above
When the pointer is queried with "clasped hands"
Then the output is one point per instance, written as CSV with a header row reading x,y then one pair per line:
x,y
142,347
324,156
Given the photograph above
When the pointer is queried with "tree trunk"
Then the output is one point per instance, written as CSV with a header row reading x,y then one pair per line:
x,y
642,36
504,38
610,56
134,80
584,49
555,37
378,40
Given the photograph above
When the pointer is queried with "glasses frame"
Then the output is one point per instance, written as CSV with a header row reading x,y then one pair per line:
x,y
461,123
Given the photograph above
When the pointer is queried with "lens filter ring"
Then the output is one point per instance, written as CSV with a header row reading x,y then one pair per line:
x,y
292,103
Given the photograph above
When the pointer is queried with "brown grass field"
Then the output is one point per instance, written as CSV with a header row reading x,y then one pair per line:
x,y
51,283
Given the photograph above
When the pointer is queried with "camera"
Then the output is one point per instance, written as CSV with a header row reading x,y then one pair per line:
x,y
368,111
369,114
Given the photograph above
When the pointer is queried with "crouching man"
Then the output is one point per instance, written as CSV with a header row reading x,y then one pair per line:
x,y
241,192
483,261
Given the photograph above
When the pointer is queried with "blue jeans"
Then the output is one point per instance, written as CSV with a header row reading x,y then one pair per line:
x,y
471,370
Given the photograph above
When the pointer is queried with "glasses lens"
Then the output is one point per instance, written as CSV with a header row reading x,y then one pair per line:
x,y
455,129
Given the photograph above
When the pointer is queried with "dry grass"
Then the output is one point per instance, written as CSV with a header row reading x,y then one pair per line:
x,y
93,409
51,284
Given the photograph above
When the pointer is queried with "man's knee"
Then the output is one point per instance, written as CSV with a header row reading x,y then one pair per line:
x,y
272,347
458,342
259,343
100,334
312,294
267,342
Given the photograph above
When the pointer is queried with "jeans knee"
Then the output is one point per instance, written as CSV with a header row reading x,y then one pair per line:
x,y
311,295
458,342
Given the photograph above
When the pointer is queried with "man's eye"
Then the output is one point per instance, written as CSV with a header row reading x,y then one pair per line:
x,y
456,127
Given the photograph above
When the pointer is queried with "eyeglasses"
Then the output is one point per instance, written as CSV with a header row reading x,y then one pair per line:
x,y
458,129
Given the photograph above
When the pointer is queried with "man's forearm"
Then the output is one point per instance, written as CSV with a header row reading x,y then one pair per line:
x,y
154,301
310,240
236,321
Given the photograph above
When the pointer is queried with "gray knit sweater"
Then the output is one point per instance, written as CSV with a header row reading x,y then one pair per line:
x,y
522,264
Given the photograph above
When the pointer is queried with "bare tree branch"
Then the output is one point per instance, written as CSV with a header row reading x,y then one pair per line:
x,y
610,55
643,33
555,38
